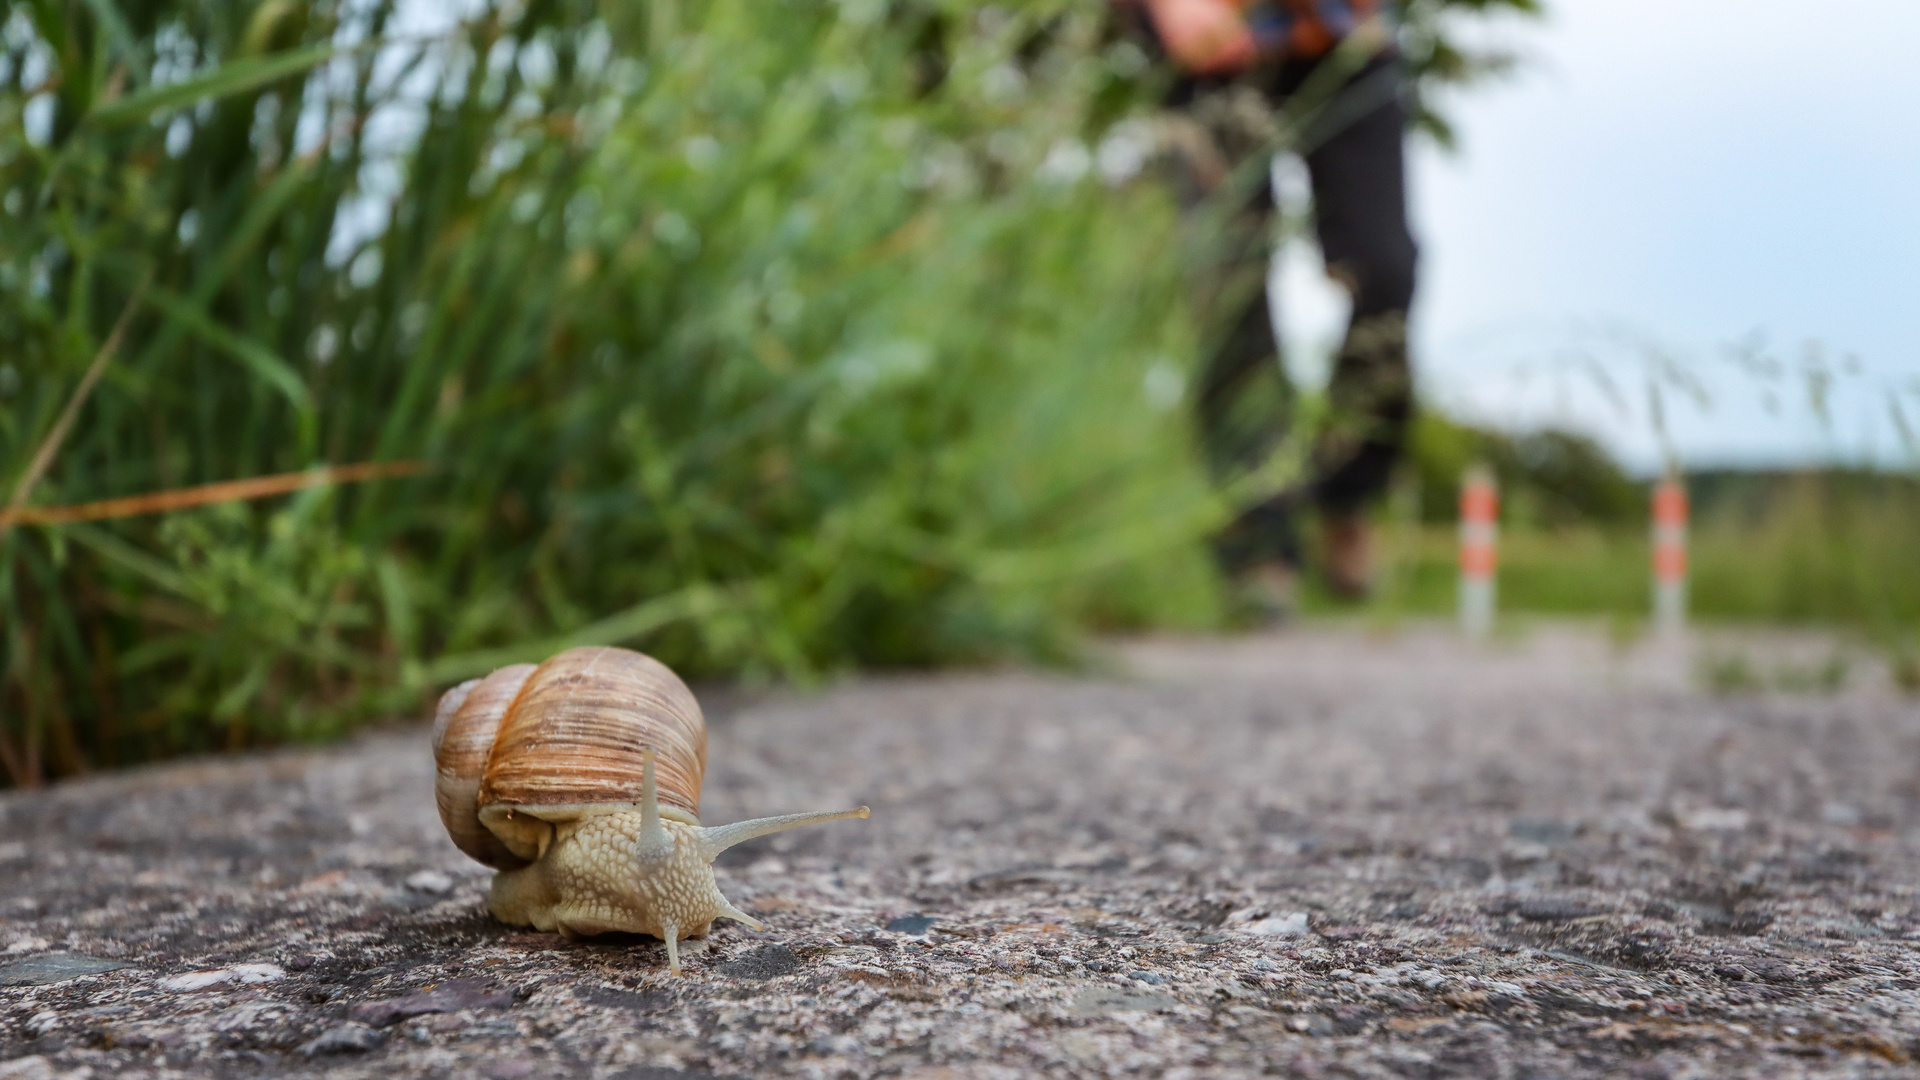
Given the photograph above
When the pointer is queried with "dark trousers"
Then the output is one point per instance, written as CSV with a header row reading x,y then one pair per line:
x,y
1245,401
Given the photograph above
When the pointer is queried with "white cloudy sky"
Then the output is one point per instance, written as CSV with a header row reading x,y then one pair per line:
x,y
1671,179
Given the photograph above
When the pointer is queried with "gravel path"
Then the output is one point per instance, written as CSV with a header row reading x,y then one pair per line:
x,y
1310,854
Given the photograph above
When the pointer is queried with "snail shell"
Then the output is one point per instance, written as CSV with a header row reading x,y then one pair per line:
x,y
529,747
579,781
462,742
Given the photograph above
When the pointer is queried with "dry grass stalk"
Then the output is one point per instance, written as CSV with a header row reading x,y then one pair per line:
x,y
258,487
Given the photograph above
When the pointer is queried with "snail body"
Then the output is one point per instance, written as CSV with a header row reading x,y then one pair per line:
x,y
578,780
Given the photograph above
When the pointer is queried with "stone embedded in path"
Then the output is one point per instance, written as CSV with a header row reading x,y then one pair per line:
x,y
244,974
430,881
1292,924
348,1038
765,962
641,1001
50,968
449,996
1554,909
27,1068
1100,1001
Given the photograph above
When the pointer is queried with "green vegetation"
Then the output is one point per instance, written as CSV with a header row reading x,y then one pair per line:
x,y
1735,673
776,346
775,352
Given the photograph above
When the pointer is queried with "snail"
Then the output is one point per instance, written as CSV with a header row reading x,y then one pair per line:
x,y
548,775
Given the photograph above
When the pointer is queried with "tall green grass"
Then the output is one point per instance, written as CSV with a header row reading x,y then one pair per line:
x,y
1815,547
766,350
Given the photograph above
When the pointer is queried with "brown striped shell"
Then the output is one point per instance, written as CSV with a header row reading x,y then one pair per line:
x,y
527,746
463,730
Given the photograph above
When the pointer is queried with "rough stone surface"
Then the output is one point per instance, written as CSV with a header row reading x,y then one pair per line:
x,y
1309,854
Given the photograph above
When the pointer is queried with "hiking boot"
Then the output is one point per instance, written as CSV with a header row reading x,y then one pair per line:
x,y
1346,554
1268,592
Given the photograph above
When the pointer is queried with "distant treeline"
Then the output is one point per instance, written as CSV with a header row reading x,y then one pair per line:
x,y
1825,546
1555,478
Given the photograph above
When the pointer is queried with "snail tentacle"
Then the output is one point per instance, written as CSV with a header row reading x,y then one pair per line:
x,y
728,911
718,838
656,845
671,934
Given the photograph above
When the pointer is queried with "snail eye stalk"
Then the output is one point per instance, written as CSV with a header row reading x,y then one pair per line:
x,y
656,844
719,838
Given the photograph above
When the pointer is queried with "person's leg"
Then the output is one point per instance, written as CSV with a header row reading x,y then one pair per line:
x,y
1243,398
1360,207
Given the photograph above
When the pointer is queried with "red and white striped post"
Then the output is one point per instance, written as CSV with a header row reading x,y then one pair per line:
x,y
1669,556
1479,534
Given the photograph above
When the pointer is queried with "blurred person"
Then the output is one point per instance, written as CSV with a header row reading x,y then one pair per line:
x,y
1238,62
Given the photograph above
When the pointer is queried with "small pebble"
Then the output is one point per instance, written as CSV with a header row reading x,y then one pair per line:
x,y
347,1038
430,881
245,974
452,995
1292,924
42,1022
27,1068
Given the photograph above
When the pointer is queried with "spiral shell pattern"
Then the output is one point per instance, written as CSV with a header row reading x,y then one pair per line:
x,y
531,745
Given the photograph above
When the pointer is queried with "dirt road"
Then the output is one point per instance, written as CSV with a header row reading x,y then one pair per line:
x,y
1319,853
